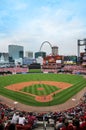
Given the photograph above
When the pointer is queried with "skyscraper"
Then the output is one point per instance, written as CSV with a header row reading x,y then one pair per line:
x,y
16,51
29,54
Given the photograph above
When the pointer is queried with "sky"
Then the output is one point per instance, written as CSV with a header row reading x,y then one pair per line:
x,y
31,22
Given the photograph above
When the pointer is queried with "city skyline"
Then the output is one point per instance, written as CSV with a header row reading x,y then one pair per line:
x,y
29,23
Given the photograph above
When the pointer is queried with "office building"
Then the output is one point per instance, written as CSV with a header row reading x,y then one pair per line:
x,y
40,54
16,51
4,57
29,54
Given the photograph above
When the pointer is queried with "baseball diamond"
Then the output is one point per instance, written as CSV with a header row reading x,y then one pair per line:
x,y
67,86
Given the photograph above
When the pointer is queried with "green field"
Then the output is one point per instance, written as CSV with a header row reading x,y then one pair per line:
x,y
35,71
47,89
77,80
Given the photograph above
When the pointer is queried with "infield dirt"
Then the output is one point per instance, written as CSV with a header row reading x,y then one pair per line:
x,y
68,104
47,98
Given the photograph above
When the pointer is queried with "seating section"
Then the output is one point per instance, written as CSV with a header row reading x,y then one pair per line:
x,y
74,117
74,69
14,70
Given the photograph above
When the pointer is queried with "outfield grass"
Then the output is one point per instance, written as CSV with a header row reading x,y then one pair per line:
x,y
35,71
78,83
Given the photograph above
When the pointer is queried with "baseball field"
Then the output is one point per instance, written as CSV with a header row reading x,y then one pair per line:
x,y
41,89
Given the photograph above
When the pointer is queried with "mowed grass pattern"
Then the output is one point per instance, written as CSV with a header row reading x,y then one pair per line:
x,y
78,83
36,89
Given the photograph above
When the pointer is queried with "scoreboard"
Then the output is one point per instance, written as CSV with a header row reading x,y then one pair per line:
x,y
52,59
70,59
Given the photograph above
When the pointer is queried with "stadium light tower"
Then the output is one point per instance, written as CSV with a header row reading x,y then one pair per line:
x,y
81,44
85,44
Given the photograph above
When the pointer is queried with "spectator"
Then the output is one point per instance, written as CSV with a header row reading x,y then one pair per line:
x,y
66,123
32,119
12,126
71,127
76,123
2,114
2,127
15,118
60,123
83,125
22,119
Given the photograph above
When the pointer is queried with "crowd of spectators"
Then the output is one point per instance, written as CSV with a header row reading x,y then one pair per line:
x,y
70,119
74,69
13,70
20,119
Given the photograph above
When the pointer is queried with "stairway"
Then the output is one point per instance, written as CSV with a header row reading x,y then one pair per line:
x,y
40,126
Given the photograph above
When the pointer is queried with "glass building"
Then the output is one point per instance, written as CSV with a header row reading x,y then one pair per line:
x,y
40,54
16,51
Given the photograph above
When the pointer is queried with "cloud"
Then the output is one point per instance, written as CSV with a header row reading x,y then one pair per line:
x,y
60,26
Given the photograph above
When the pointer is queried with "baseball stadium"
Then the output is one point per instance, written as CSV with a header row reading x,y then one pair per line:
x,y
59,87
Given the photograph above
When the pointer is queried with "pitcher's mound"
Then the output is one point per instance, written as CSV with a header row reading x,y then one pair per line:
x,y
40,88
